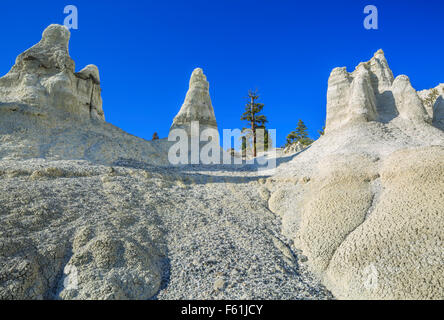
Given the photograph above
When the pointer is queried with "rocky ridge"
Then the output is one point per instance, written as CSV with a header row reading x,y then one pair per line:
x,y
197,105
364,201
43,77
88,211
47,110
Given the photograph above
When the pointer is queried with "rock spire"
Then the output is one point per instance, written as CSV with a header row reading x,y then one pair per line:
x,y
197,105
371,93
44,78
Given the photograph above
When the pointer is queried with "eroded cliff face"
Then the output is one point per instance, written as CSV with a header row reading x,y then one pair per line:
x,y
367,196
47,110
371,93
197,105
88,211
44,78
82,199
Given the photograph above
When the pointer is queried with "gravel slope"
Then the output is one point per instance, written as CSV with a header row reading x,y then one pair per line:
x,y
136,232
224,243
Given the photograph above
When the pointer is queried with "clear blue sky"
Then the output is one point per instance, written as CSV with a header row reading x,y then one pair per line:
x,y
146,51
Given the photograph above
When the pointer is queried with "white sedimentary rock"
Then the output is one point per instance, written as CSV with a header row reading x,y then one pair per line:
x,y
44,78
81,197
370,93
84,206
197,105
47,110
294,147
382,76
369,214
407,101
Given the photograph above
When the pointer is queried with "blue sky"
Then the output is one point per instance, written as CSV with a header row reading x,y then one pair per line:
x,y
146,51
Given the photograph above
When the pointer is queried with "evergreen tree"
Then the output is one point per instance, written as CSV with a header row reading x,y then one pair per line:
x,y
266,139
300,134
253,116
244,146
247,140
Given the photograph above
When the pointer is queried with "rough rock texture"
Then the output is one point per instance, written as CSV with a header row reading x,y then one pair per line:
x,y
294,148
88,211
368,195
136,232
197,105
56,215
115,225
47,110
43,77
370,93
398,252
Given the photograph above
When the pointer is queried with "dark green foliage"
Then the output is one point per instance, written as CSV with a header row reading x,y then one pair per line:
x,y
244,146
300,134
322,131
266,138
254,117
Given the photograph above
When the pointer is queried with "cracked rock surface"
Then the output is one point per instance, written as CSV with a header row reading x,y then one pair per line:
x,y
88,211
143,232
370,215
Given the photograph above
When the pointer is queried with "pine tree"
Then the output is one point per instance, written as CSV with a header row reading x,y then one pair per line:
x,y
244,146
300,134
155,136
253,116
266,140
247,140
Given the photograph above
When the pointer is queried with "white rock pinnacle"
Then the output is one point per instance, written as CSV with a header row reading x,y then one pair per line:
x,y
47,110
43,77
370,93
197,105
